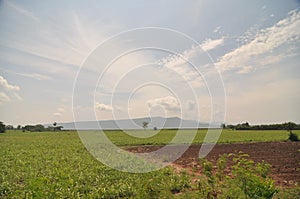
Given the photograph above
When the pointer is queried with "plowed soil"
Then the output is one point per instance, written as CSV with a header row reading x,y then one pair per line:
x,y
283,156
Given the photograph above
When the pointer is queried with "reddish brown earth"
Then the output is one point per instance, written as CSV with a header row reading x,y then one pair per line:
x,y
283,156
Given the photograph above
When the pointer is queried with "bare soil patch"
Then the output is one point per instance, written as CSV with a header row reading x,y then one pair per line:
x,y
283,156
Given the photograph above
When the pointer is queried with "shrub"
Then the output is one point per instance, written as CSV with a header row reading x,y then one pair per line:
x,y
293,137
236,176
2,127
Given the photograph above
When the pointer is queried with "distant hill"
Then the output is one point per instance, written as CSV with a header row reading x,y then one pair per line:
x,y
158,122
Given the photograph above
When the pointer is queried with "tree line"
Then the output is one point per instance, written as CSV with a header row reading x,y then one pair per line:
x,y
246,126
30,128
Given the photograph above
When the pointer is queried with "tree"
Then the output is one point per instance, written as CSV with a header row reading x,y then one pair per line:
x,y
243,126
58,128
2,127
230,126
19,127
39,128
145,125
54,124
9,127
290,126
223,126
28,128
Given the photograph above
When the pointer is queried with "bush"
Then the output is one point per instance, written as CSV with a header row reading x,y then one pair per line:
x,y
293,137
247,178
2,127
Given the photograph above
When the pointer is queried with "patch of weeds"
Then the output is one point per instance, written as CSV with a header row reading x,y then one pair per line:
x,y
236,176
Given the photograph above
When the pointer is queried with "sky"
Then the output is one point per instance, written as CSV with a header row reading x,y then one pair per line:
x,y
227,61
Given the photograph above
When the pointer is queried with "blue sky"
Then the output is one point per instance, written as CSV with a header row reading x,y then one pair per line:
x,y
249,48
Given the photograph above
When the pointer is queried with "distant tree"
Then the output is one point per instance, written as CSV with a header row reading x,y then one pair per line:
x,y
34,128
290,126
155,128
9,127
28,128
54,124
223,126
230,126
145,125
19,127
39,128
243,126
293,137
2,127
58,128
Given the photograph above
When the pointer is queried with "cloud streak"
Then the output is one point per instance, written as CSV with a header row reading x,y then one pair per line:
x,y
210,44
21,10
36,76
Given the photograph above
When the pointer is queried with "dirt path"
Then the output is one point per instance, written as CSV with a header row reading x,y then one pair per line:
x,y
283,156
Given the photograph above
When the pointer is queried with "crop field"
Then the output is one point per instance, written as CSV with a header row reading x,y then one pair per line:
x,y
227,136
57,165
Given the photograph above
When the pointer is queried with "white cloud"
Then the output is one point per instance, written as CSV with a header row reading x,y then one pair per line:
x,y
8,91
57,114
4,84
201,68
254,52
3,98
217,29
169,103
245,70
61,109
103,107
210,44
180,65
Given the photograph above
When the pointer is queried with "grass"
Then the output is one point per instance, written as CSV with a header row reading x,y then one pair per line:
x,y
56,165
227,136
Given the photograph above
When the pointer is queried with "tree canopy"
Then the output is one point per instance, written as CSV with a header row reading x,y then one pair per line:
x,y
2,127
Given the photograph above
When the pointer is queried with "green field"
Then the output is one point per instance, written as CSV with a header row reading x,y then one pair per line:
x,y
227,136
56,165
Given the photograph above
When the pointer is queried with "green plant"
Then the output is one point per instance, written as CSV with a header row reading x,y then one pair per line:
x,y
236,176
211,186
252,178
56,165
